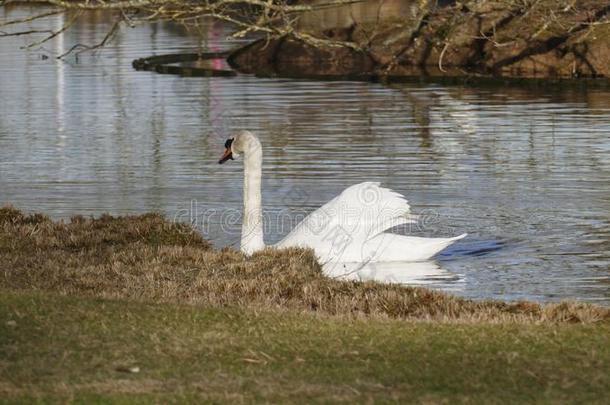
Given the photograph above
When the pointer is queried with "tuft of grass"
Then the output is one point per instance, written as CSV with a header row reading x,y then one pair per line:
x,y
147,258
25,232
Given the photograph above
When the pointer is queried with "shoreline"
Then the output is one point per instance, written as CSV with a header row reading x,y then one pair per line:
x,y
147,257
159,64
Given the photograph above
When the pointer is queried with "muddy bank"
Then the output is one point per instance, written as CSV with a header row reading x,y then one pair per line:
x,y
514,39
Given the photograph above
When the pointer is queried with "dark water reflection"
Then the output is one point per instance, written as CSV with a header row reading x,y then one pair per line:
x,y
525,172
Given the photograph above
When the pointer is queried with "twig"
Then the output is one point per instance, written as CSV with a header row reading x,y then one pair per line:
x,y
55,33
32,18
167,4
440,58
109,35
14,34
421,23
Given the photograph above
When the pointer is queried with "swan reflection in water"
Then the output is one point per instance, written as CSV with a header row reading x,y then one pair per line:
x,y
405,273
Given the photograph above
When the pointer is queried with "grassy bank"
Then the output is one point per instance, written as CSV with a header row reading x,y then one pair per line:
x,y
80,348
147,258
86,303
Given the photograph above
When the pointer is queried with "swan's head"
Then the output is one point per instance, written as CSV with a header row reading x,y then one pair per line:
x,y
228,151
242,142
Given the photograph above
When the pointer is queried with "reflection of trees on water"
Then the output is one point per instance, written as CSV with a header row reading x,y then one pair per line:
x,y
513,121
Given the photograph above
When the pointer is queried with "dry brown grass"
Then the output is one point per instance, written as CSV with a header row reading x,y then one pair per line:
x,y
148,258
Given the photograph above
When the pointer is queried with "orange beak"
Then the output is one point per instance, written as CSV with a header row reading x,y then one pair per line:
x,y
226,156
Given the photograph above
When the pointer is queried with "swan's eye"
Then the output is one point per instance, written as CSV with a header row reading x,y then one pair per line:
x,y
229,142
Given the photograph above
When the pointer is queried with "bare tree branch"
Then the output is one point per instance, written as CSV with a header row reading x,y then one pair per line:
x,y
272,18
108,37
15,34
55,33
32,18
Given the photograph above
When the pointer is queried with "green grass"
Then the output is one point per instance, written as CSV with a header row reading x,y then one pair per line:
x,y
55,348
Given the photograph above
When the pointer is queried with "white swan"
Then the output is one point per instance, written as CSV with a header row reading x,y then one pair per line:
x,y
348,228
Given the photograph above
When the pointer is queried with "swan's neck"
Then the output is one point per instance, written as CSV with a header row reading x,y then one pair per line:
x,y
252,227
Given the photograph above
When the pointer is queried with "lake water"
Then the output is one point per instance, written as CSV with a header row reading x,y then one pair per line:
x,y
525,172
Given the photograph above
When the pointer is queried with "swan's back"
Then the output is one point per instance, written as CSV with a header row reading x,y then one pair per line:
x,y
351,226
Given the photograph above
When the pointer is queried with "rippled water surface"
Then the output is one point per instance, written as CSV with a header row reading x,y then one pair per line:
x,y
525,172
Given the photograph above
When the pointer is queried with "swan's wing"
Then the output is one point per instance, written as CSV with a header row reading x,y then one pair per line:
x,y
345,223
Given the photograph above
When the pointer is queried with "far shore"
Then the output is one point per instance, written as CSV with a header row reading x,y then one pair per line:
x,y
481,40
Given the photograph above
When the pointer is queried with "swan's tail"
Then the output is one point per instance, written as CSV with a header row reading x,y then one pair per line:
x,y
462,236
389,247
442,243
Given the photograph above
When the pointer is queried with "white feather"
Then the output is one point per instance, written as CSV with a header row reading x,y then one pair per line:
x,y
350,228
